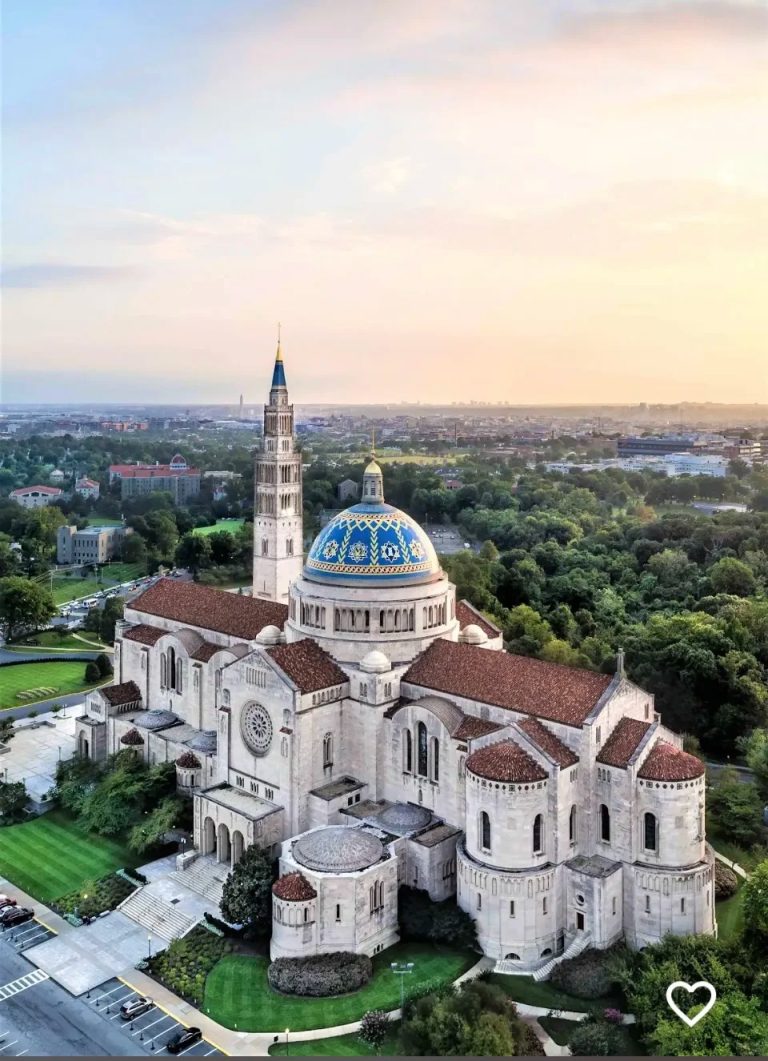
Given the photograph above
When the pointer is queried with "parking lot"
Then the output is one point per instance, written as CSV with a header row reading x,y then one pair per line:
x,y
152,1030
27,935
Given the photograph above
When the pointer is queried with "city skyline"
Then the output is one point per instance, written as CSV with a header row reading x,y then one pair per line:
x,y
552,202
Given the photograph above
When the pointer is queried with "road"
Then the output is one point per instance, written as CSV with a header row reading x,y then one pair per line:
x,y
45,1021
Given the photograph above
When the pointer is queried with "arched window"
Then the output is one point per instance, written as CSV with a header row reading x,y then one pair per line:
x,y
650,830
538,846
435,759
328,750
163,671
485,831
408,753
171,670
572,825
421,742
605,823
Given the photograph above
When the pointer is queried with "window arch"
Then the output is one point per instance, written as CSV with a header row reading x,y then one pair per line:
x,y
650,832
163,670
485,831
328,750
422,749
605,823
408,752
435,759
171,668
538,839
572,825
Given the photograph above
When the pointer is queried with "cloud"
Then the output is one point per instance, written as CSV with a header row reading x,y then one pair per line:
x,y
61,274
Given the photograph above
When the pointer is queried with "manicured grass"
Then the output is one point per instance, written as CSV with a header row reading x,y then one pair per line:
x,y
744,857
103,521
51,855
335,1046
52,639
730,915
230,525
541,993
120,572
41,681
238,995
67,589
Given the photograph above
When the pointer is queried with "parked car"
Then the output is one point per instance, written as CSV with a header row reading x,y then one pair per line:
x,y
182,1039
135,1008
12,916
6,900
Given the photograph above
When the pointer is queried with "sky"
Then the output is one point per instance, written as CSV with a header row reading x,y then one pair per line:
x,y
520,200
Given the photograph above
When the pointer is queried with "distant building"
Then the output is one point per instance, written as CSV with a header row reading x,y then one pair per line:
x,y
57,476
36,496
347,489
656,445
176,478
94,545
87,488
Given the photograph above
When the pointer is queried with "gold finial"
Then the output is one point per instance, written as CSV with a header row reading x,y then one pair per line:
x,y
279,355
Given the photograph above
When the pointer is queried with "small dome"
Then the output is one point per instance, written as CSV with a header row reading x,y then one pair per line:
x,y
188,761
665,762
373,467
375,662
204,742
338,849
404,817
505,761
155,719
473,635
293,888
132,739
269,635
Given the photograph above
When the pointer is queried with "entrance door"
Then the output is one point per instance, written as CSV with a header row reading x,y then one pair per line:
x,y
580,922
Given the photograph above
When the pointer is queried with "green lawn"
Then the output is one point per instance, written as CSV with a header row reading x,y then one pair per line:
x,y
103,521
50,856
30,682
541,993
67,589
335,1046
730,915
52,639
238,995
120,572
230,525
744,857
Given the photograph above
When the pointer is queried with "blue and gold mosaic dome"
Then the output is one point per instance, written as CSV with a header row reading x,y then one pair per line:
x,y
372,544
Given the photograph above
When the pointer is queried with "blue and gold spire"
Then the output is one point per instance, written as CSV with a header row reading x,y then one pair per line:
x,y
278,373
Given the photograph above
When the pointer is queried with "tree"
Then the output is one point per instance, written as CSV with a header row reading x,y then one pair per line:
x,y
735,1026
13,801
108,616
92,672
735,808
193,552
374,1028
104,663
247,895
223,547
755,749
161,820
730,575
24,605
595,1038
756,901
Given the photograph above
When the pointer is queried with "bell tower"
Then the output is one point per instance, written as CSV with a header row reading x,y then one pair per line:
x,y
278,543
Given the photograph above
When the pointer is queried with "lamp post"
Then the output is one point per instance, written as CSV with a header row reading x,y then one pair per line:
x,y
149,946
287,1030
402,969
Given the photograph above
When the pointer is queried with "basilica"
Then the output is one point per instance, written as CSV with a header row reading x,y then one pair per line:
x,y
369,730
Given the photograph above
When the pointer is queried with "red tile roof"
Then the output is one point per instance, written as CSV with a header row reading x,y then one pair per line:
x,y
188,760
530,686
466,613
132,739
550,744
505,761
293,887
308,665
206,651
22,490
124,693
210,609
144,633
665,762
623,742
471,727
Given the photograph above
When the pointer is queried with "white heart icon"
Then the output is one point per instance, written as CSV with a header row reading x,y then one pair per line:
x,y
690,988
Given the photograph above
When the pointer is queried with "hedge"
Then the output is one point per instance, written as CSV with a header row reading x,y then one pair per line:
x,y
320,975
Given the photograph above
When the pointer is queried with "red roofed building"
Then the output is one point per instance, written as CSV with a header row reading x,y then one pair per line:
x,y
35,496
176,478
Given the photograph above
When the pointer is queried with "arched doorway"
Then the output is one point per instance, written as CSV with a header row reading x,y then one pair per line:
x,y
237,846
224,848
209,837
82,746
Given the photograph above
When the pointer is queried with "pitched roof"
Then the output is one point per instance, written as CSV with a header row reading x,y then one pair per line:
x,y
144,633
36,489
308,665
472,727
467,614
293,887
210,609
206,651
505,761
550,744
124,693
623,742
665,762
518,683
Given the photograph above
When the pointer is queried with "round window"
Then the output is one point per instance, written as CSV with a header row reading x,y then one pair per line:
x,y
580,900
256,727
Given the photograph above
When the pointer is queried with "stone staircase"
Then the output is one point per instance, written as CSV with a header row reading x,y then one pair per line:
x,y
205,876
158,917
579,944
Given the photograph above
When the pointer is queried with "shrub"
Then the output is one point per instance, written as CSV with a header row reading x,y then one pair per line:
x,y
92,672
103,894
589,975
104,663
320,975
595,1038
185,964
726,881
422,919
374,1028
